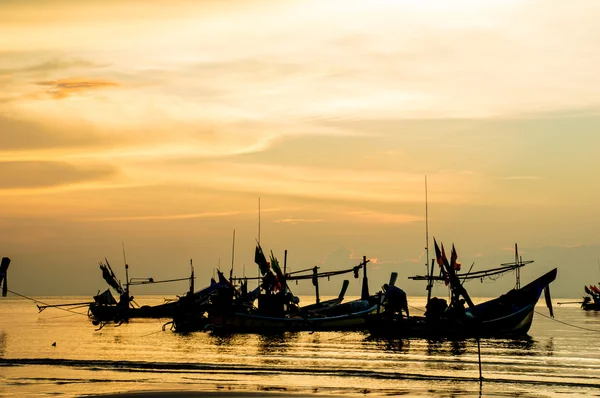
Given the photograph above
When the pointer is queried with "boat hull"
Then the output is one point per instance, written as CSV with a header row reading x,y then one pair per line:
x,y
238,322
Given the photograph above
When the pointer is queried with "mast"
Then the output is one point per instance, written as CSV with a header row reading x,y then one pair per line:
x,y
426,230
427,272
232,256
192,277
126,273
518,273
315,281
365,285
258,240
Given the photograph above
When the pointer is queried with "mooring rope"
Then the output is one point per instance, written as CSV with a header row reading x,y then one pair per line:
x,y
41,302
568,324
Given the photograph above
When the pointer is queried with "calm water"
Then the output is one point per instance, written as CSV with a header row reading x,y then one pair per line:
x,y
556,360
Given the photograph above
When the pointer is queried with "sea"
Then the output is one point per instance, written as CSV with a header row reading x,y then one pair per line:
x,y
60,353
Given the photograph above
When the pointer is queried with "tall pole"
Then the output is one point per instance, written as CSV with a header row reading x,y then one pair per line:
x,y
365,285
126,273
258,268
232,255
285,287
426,229
518,273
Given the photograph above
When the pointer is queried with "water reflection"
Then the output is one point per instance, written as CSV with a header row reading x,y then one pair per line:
x,y
276,343
3,338
392,345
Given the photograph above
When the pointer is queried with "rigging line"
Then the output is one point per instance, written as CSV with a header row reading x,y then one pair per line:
x,y
568,324
416,308
41,302
151,333
65,316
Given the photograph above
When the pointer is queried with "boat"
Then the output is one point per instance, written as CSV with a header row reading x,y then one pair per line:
x,y
509,315
232,310
106,309
591,302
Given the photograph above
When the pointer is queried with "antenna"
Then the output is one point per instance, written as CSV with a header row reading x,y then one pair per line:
x,y
259,221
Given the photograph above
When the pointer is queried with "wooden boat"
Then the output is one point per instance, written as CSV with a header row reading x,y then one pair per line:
x,y
347,316
509,315
105,309
277,311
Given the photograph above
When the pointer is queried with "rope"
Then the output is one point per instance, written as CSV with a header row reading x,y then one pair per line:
x,y
567,324
41,302
416,308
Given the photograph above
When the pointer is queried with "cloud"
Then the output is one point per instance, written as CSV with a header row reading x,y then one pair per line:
x,y
522,178
20,134
62,88
298,220
51,65
28,175
166,216
383,218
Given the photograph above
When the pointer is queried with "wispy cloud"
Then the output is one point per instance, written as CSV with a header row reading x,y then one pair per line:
x,y
298,220
523,178
63,88
27,175
383,218
166,216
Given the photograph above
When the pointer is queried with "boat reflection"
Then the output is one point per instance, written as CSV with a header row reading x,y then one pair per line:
x,y
3,339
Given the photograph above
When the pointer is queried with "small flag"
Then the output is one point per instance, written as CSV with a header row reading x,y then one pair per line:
x,y
453,257
259,258
440,257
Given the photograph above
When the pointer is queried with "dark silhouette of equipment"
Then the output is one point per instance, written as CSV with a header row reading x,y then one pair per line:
x,y
3,278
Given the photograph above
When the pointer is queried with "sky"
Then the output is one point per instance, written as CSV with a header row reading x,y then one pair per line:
x,y
159,132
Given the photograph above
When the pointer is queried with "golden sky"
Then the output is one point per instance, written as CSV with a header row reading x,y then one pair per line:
x,y
159,124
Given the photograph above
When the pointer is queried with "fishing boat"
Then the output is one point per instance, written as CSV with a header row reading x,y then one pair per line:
x,y
509,315
232,310
591,302
106,309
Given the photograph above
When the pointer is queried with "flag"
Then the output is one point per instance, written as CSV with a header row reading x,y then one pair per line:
x,y
110,277
105,298
440,256
453,257
276,267
444,258
259,258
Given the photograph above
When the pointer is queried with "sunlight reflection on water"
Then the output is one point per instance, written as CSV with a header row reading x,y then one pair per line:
x,y
554,359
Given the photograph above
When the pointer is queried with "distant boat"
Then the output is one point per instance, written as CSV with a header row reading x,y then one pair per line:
x,y
591,302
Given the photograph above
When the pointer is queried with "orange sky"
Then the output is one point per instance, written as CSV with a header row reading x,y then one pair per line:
x,y
158,125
